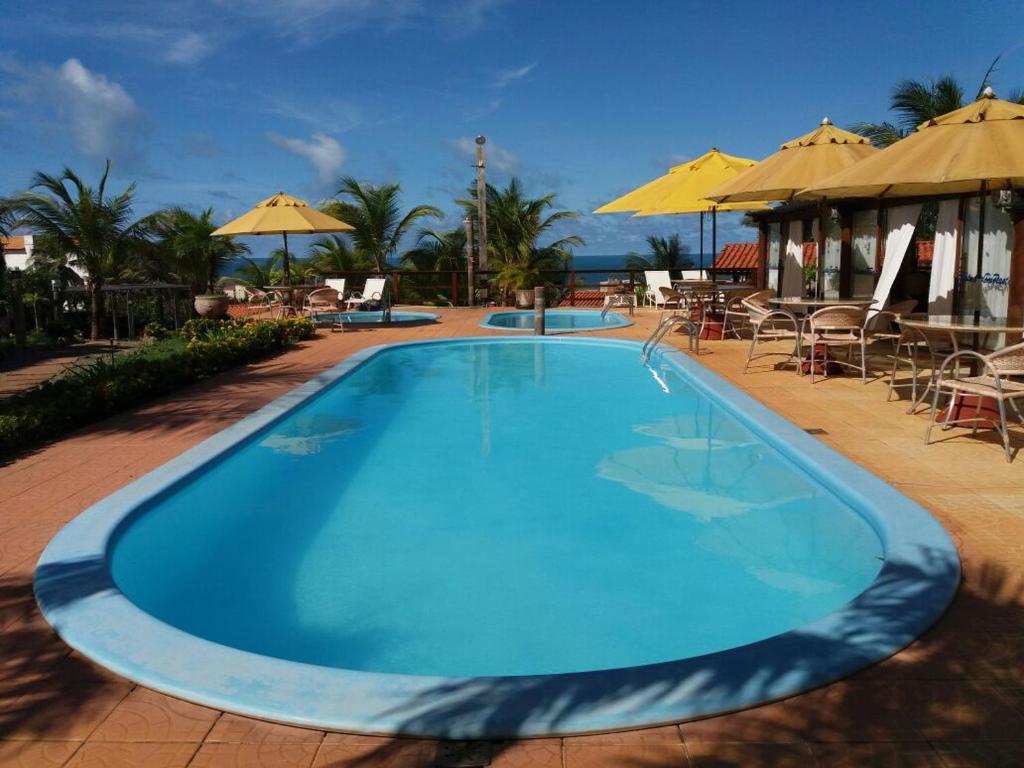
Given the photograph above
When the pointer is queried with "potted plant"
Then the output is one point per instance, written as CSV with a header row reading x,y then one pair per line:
x,y
211,305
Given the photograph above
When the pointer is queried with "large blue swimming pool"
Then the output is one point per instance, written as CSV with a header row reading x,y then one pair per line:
x,y
514,521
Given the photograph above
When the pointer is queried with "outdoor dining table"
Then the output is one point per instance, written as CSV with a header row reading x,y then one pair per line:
x,y
954,327
790,302
824,363
292,295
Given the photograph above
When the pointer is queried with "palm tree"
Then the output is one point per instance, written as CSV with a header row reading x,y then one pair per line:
x,y
515,224
194,256
96,231
666,253
374,212
259,275
331,254
914,102
438,251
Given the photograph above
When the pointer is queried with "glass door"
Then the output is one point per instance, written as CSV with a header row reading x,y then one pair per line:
x,y
831,259
774,249
865,224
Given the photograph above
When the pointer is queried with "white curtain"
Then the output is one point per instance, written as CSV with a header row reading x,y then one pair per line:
x,y
793,268
902,220
940,289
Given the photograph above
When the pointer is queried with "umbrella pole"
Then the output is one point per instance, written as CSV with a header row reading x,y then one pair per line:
x,y
714,239
287,278
701,257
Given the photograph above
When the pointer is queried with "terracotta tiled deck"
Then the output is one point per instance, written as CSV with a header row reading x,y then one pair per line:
x,y
954,698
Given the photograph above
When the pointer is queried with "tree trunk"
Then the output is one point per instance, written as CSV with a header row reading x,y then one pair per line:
x,y
95,308
35,314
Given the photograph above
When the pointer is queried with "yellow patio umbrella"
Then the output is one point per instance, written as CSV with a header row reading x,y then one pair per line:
x,y
976,148
684,190
283,215
799,164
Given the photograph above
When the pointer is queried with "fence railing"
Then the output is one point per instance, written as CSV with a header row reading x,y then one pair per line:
x,y
452,286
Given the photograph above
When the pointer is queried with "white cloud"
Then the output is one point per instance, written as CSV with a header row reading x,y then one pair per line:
x,y
310,19
102,118
497,159
101,111
170,42
507,76
323,153
188,48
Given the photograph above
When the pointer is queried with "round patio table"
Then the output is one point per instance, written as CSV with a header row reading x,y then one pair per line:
x,y
954,326
291,295
824,363
794,301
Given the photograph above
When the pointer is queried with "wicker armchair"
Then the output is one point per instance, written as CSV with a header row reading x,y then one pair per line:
x,y
882,325
772,325
321,300
735,315
992,382
835,327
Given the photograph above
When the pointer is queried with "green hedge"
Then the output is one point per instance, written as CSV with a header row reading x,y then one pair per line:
x,y
106,386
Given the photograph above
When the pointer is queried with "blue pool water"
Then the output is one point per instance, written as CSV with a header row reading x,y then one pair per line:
x,y
556,320
498,509
376,318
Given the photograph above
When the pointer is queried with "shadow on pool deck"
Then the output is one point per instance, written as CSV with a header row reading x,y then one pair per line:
x,y
961,682
956,690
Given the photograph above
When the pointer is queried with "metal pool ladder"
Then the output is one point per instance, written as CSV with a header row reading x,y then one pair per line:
x,y
667,324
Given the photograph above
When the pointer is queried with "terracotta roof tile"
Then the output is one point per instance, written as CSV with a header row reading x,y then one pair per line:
x,y
13,243
737,256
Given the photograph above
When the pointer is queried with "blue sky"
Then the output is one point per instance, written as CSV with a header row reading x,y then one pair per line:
x,y
223,102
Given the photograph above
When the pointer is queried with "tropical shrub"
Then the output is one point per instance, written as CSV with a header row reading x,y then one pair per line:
x,y
109,385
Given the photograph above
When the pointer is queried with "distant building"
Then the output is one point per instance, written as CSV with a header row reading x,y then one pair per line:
x,y
17,251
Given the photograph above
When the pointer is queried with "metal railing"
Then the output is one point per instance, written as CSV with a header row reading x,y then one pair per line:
x,y
452,286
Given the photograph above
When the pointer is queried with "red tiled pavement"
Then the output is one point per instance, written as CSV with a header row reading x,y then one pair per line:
x,y
953,698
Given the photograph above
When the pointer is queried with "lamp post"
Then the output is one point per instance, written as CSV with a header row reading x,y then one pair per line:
x,y
481,198
470,276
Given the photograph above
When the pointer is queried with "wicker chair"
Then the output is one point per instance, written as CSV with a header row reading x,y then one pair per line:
x,y
992,382
772,325
839,326
264,301
880,326
321,300
735,315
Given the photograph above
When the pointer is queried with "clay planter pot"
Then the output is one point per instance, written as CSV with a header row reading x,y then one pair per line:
x,y
211,306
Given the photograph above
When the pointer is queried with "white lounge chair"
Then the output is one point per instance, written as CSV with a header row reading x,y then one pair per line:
x,y
656,280
375,291
338,284
694,274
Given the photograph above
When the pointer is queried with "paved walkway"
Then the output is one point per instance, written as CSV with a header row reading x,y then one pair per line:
x,y
18,375
953,698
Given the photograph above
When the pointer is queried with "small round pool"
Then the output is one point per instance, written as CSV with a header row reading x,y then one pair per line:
x,y
376,318
564,320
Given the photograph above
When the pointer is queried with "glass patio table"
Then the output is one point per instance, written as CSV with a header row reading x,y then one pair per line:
x,y
923,328
824,363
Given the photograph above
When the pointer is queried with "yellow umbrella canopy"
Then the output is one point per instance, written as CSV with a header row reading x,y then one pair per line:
x,y
683,188
799,164
283,215
977,147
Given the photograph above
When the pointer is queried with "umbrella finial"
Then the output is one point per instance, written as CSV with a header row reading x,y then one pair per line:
x,y
988,93
826,121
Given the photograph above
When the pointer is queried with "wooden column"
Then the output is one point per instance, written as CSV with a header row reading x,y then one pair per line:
x,y
1015,306
879,242
761,270
846,253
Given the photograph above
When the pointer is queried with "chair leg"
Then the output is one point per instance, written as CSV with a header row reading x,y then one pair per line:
x,y
813,349
750,351
1004,431
977,415
931,417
